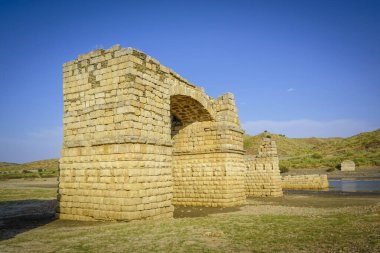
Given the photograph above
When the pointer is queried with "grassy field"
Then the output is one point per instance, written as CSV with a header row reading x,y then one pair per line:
x,y
363,149
293,223
234,233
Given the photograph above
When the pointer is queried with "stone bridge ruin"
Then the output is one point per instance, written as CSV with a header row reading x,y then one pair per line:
x,y
138,139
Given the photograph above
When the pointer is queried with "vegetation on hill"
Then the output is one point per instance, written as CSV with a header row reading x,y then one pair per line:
x,y
363,149
43,168
5,164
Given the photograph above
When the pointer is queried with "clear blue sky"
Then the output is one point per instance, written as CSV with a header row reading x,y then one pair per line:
x,y
300,68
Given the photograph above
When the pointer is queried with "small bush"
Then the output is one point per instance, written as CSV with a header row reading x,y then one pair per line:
x,y
316,156
360,161
330,170
283,169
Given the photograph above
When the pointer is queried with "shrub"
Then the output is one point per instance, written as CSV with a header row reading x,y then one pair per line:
x,y
283,169
360,161
316,156
330,170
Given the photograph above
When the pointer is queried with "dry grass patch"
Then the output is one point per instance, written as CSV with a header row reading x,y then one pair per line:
x,y
293,223
220,233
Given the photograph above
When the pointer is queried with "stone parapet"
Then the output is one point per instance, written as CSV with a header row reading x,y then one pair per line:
x,y
305,182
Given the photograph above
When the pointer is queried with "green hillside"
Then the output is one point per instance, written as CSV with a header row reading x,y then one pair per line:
x,y
363,148
43,168
5,164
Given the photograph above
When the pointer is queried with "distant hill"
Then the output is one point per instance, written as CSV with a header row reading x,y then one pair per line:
x,y
43,168
363,148
5,164
42,164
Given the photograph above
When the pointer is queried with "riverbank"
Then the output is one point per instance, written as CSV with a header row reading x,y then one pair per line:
x,y
372,172
297,222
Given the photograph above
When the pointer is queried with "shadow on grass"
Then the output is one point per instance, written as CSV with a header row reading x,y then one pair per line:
x,y
193,212
23,215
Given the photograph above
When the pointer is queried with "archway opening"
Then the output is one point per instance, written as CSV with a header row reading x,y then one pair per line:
x,y
191,136
188,110
184,111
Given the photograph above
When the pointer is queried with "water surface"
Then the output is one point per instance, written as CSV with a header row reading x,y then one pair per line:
x,y
354,185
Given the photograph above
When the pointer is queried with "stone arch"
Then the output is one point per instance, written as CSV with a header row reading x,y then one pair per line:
x,y
119,160
201,164
191,118
183,91
188,110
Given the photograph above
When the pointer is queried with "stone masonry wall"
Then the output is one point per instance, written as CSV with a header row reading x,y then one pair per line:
x,y
263,177
139,138
347,165
208,166
305,182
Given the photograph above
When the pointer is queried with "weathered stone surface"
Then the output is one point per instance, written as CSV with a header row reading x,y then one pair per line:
x,y
139,138
263,177
347,165
305,182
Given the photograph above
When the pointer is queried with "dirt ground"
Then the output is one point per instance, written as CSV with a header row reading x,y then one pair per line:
x,y
25,214
300,221
291,201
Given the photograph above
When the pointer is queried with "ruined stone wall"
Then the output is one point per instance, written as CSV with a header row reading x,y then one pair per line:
x,y
305,182
263,177
347,165
208,165
120,153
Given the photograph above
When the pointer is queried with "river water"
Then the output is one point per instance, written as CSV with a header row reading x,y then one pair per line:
x,y
354,185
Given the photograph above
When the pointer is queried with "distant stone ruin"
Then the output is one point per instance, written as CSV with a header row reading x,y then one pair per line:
x,y
263,177
305,182
138,139
347,165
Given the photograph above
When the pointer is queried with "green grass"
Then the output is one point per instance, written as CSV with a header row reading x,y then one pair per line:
x,y
363,149
235,233
27,193
358,231
27,189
